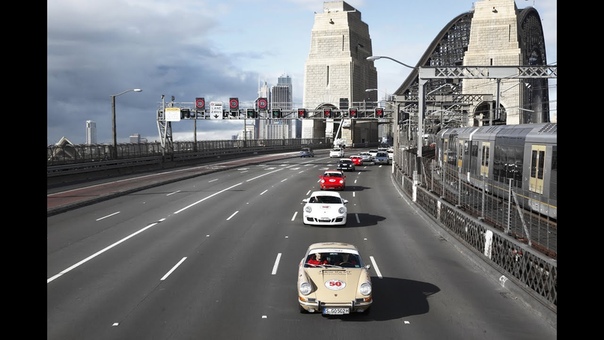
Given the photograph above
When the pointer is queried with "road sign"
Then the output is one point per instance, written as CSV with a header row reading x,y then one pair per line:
x,y
173,114
234,104
200,103
262,103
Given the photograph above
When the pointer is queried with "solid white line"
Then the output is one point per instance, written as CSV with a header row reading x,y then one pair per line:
x,y
173,268
99,252
205,198
375,266
276,265
294,217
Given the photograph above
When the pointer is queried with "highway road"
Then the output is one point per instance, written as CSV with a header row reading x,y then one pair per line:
x,y
215,257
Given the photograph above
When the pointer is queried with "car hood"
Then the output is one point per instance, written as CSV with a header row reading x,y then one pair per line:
x,y
336,283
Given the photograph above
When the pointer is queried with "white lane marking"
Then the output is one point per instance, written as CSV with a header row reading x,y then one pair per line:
x,y
99,252
235,213
173,268
205,198
262,193
294,217
375,266
104,217
172,193
276,265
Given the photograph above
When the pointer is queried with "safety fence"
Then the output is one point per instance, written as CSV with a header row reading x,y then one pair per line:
x,y
512,240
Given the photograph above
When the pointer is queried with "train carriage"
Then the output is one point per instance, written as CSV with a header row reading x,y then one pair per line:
x,y
502,157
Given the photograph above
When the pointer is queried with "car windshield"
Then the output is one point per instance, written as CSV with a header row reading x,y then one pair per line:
x,y
332,174
339,259
325,199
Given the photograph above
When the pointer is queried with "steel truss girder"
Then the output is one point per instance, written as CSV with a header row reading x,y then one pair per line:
x,y
488,72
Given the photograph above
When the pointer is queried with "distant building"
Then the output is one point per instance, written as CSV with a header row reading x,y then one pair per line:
x,y
90,132
282,93
137,139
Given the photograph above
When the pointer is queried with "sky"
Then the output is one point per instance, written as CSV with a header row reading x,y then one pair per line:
x,y
216,50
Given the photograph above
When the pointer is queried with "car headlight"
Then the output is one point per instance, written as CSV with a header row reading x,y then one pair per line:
x,y
308,209
306,288
365,288
342,210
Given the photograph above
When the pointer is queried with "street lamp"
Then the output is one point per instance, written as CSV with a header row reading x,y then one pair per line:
x,y
420,128
114,151
376,57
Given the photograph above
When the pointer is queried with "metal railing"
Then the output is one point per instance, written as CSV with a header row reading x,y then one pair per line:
x,y
514,241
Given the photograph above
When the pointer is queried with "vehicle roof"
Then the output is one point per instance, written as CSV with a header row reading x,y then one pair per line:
x,y
325,193
339,172
345,159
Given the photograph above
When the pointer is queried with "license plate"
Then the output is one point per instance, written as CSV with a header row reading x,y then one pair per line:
x,y
336,311
323,219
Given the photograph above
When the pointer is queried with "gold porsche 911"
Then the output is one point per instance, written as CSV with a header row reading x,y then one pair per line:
x,y
334,280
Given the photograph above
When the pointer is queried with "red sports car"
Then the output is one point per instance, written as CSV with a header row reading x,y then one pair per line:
x,y
357,159
332,179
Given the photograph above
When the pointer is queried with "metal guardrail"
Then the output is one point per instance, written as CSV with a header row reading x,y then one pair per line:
x,y
528,266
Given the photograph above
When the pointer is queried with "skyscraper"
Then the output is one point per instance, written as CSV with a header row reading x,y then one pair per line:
x,y
90,132
282,93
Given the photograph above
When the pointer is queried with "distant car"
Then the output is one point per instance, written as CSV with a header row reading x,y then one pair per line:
x,y
307,152
332,179
356,159
325,208
334,286
367,158
390,152
345,164
373,152
381,158
336,153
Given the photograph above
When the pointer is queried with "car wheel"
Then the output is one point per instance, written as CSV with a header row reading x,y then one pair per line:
x,y
302,310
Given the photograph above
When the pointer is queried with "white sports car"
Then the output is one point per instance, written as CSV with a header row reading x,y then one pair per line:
x,y
325,208
333,280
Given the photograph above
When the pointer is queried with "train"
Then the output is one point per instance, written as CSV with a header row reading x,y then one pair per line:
x,y
523,158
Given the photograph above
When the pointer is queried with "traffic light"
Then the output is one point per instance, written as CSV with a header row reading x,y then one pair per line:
x,y
327,113
251,113
277,113
185,113
379,112
352,112
302,113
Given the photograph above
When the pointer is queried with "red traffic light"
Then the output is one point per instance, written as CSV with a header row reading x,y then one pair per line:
x,y
327,113
353,113
379,112
301,113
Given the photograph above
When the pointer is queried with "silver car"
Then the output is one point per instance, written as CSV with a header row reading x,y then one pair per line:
x,y
381,157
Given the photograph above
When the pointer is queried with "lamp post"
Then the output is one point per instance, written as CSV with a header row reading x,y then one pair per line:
x,y
384,103
114,151
420,128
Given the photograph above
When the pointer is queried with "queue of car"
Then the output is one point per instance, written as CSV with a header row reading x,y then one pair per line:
x,y
332,277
